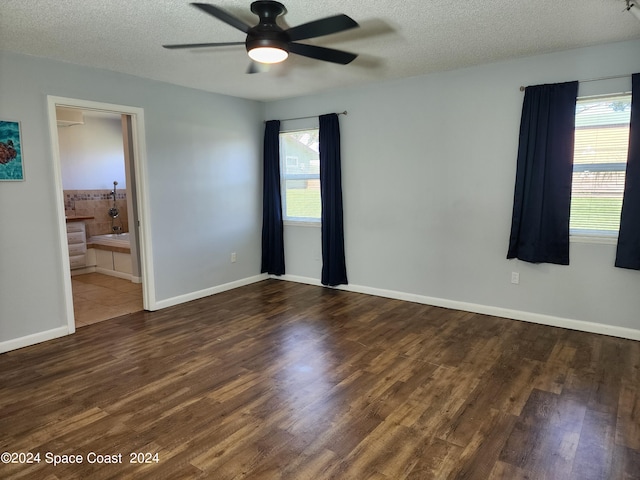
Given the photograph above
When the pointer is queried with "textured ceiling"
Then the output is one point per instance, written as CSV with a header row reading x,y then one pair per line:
x,y
396,39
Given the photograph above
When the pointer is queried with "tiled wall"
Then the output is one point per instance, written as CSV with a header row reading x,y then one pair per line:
x,y
96,203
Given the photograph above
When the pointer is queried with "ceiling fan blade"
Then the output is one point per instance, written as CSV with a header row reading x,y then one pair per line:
x,y
224,16
322,53
324,26
201,45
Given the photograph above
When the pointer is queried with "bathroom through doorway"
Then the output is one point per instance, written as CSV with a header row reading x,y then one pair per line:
x,y
98,160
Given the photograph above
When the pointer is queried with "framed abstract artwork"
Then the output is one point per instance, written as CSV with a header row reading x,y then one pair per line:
x,y
11,167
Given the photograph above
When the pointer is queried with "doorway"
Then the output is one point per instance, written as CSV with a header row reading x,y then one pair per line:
x,y
107,273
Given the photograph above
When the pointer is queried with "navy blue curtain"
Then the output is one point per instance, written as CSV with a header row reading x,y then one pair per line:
x,y
272,226
334,270
628,252
542,198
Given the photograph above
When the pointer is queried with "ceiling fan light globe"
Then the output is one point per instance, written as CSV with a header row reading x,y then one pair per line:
x,y
268,55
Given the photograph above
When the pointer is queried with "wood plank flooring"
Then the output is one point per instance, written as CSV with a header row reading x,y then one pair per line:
x,y
278,380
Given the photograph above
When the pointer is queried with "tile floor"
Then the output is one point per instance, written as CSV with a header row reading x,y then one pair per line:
x,y
98,297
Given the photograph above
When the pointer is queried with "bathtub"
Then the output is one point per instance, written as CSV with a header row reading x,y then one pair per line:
x,y
111,255
116,241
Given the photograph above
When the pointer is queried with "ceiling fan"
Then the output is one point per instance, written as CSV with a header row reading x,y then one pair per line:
x,y
268,43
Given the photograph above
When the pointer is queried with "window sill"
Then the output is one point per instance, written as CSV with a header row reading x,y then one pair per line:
x,y
293,223
593,239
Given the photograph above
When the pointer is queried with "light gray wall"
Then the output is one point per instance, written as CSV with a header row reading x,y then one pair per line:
x,y
429,167
92,154
428,178
204,182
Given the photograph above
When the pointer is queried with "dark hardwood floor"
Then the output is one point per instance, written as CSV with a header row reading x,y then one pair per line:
x,y
278,380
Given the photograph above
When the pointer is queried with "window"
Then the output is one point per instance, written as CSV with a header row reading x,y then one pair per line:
x,y
599,164
300,170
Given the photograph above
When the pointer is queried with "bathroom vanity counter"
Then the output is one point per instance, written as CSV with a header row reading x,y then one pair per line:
x,y
78,218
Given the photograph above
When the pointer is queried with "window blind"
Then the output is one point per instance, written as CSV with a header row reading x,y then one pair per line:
x,y
300,170
599,163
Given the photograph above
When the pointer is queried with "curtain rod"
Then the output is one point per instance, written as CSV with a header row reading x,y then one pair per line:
x,y
593,79
310,116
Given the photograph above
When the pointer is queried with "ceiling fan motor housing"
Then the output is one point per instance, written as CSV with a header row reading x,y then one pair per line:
x,y
269,38
267,33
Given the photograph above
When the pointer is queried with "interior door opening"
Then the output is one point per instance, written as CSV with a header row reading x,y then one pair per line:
x,y
99,165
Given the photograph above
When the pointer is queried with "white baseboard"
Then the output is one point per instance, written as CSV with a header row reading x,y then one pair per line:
x,y
33,339
114,273
105,271
28,340
83,271
170,302
548,320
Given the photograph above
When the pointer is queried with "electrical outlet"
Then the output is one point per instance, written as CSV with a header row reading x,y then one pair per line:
x,y
233,257
515,278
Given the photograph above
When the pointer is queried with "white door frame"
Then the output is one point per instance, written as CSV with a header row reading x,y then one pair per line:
x,y
140,168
